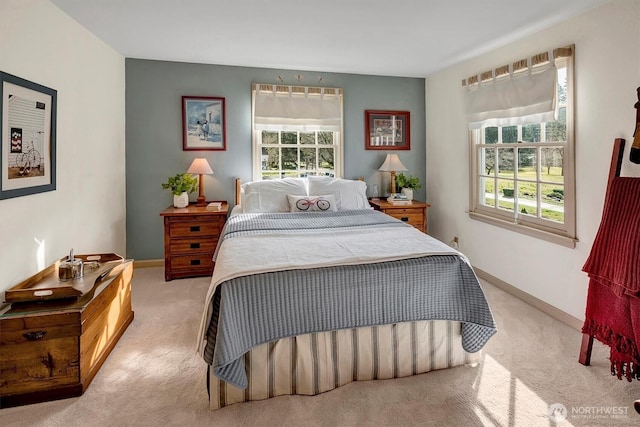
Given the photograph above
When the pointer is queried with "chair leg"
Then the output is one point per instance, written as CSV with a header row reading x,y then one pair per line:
x,y
585,349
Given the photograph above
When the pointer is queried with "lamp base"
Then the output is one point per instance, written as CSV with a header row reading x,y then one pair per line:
x,y
200,202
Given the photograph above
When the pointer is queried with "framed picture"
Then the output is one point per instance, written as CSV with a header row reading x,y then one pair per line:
x,y
203,123
387,130
28,129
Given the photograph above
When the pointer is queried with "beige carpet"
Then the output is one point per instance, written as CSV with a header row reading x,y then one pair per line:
x,y
154,378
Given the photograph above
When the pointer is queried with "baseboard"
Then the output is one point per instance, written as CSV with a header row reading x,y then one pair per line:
x,y
546,308
146,263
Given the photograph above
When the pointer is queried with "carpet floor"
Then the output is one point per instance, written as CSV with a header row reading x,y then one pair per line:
x,y
153,377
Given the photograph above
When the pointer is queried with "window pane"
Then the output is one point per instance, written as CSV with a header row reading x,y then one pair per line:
x,y
551,162
487,196
487,160
491,135
509,134
325,138
308,159
506,194
531,133
307,138
270,158
553,202
289,137
505,162
269,137
527,163
289,159
527,198
325,161
557,131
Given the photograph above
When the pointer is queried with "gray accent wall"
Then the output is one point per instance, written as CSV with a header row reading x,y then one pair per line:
x,y
154,91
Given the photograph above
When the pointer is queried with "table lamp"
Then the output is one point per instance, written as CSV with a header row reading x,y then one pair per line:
x,y
200,167
392,164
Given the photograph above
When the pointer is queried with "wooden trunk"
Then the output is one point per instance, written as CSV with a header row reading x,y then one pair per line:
x,y
52,350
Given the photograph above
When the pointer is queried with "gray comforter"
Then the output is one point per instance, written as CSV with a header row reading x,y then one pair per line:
x,y
258,308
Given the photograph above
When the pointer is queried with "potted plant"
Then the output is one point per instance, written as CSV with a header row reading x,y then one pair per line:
x,y
408,184
181,185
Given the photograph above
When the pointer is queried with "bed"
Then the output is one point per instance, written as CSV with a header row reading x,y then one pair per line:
x,y
312,289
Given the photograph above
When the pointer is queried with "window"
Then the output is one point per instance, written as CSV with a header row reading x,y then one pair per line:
x,y
297,154
522,175
297,131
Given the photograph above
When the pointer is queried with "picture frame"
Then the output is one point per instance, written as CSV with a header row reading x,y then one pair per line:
x,y
387,130
28,137
203,123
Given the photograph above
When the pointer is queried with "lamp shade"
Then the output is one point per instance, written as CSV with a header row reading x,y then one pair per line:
x,y
200,166
392,163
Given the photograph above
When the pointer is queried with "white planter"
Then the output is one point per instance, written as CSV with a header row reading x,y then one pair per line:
x,y
407,192
181,201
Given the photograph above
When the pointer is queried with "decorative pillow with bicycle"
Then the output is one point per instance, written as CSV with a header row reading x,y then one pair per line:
x,y
312,203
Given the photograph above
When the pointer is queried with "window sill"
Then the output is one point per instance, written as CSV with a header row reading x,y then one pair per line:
x,y
558,239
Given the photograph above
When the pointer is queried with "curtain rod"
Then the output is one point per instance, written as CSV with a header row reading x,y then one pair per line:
x,y
538,59
291,89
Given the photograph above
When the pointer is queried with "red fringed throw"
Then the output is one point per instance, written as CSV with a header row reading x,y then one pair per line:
x,y
613,301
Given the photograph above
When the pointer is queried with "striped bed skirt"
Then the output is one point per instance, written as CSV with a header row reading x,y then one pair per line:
x,y
314,363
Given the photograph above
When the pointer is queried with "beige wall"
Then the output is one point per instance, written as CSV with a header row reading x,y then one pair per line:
x,y
40,43
607,42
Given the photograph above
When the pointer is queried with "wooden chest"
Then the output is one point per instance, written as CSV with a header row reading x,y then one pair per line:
x,y
190,238
52,350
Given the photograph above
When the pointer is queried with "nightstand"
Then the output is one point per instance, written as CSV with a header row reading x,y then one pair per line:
x,y
190,238
414,214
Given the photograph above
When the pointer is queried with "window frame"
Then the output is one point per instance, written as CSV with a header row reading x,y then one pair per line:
x,y
552,231
258,172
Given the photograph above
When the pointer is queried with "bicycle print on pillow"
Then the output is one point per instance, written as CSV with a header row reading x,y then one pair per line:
x,y
312,203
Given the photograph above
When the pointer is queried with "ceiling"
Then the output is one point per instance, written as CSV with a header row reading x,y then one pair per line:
x,y
408,38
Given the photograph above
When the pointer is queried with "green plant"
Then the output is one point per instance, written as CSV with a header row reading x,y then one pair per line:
x,y
180,183
411,182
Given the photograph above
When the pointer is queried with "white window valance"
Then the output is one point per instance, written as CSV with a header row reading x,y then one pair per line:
x,y
297,108
517,94
513,99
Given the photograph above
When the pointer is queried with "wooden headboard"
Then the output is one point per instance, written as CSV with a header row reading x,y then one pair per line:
x,y
238,184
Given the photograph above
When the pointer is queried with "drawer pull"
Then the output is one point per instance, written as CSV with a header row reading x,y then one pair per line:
x,y
195,262
404,218
194,245
194,228
34,336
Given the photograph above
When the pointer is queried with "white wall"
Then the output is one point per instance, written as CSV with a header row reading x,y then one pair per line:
x,y
40,43
607,73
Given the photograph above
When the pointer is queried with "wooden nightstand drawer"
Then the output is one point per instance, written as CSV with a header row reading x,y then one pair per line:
x,y
411,219
194,228
400,211
414,214
186,246
407,217
192,261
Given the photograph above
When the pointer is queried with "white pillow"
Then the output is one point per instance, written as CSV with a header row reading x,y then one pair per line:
x,y
270,195
349,194
325,203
